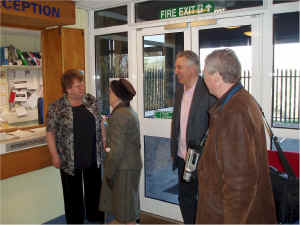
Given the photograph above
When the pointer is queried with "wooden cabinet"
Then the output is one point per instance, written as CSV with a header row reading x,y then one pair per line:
x,y
63,49
24,161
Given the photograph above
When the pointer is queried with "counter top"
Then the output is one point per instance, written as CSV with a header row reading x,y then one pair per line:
x,y
21,140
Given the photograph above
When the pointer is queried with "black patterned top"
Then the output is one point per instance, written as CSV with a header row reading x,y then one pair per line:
x,y
60,122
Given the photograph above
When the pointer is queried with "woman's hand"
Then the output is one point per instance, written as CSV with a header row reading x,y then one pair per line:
x,y
110,183
52,149
56,161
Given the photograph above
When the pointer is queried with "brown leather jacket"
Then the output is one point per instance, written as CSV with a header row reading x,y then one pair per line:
x,y
233,175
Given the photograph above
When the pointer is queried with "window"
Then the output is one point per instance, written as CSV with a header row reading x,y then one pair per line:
x,y
111,17
111,53
159,79
238,38
284,1
286,71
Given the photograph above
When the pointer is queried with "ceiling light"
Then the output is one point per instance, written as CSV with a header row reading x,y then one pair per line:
x,y
248,33
232,27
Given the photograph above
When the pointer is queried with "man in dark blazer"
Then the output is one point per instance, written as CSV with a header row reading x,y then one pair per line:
x,y
189,124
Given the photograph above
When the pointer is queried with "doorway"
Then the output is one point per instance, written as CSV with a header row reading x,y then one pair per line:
x,y
156,55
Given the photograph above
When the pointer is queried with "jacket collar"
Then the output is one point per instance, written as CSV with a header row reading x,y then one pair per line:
x,y
120,105
225,98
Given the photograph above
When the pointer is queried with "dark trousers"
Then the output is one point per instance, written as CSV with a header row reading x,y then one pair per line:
x,y
78,201
187,195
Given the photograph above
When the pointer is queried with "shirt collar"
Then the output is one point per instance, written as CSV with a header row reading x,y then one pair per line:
x,y
191,90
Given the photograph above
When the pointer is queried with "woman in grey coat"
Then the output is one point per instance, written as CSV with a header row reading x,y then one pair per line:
x,y
123,163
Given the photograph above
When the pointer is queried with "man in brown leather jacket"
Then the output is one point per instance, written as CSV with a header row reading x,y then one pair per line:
x,y
233,169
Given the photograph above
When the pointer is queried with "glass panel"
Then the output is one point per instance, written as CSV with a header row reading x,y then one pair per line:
x,y
150,10
159,79
110,17
161,182
286,76
238,38
284,1
111,52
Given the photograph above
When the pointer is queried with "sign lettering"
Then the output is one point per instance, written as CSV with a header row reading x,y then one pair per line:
x,y
26,6
205,7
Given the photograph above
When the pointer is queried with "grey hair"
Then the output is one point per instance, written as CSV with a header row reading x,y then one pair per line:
x,y
226,63
191,56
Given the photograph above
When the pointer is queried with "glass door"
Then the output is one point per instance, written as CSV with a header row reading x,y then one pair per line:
x,y
157,49
240,34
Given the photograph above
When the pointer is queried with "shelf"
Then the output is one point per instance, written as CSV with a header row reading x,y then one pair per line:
x,y
6,67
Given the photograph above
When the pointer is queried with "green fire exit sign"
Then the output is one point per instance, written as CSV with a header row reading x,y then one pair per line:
x,y
190,10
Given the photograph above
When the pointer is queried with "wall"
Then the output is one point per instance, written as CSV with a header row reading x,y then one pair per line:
x,y
25,40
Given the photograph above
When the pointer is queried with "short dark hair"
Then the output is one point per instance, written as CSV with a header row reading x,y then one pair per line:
x,y
69,76
191,56
226,63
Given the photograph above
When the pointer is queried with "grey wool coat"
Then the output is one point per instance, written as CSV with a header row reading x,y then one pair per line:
x,y
122,165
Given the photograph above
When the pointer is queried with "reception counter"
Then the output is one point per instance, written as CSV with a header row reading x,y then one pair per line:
x,y
24,153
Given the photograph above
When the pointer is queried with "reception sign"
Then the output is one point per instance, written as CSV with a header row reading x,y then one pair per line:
x,y
36,14
190,10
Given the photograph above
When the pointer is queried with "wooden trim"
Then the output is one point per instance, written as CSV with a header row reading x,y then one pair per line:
x,y
24,161
175,26
204,22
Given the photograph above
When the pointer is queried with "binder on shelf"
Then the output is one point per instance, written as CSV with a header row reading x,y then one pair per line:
x,y
21,56
12,55
1,56
4,55
40,105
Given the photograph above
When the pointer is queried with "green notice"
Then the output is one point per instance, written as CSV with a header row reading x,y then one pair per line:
x,y
190,10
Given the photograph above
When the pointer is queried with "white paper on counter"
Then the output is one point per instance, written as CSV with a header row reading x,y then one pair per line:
x,y
39,130
21,133
6,137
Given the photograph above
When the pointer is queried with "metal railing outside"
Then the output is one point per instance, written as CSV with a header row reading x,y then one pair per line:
x,y
285,98
156,93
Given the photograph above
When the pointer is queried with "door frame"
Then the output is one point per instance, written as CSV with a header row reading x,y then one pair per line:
x,y
149,125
